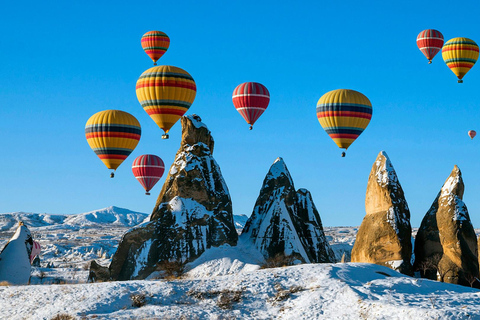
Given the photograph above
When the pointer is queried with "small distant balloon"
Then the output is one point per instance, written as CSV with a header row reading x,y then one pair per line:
x,y
36,249
155,44
112,135
460,54
472,134
251,99
344,114
430,42
148,169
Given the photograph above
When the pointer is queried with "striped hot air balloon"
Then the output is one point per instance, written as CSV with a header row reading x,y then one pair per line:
x,y
36,249
148,169
251,100
460,54
430,42
155,44
344,114
112,135
166,93
472,134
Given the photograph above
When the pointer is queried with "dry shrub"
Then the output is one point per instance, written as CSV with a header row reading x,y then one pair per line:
x,y
4,284
138,299
171,269
283,294
63,316
279,260
225,298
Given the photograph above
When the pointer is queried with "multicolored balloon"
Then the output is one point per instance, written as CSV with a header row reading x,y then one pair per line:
x,y
460,54
155,44
166,93
344,114
251,100
148,169
36,249
472,134
430,42
112,135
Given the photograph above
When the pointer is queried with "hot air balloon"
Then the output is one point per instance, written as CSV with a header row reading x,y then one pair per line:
x,y
460,54
148,169
472,134
36,249
166,93
112,135
344,114
155,44
430,42
250,99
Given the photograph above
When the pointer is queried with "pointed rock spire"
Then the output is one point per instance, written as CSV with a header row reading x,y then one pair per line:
x,y
193,211
285,221
15,265
384,236
446,244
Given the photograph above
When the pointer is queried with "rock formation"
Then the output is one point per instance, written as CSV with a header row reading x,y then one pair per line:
x,y
193,211
446,244
285,221
384,236
15,257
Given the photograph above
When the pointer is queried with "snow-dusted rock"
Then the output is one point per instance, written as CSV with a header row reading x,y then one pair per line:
x,y
15,257
193,211
446,240
384,236
285,221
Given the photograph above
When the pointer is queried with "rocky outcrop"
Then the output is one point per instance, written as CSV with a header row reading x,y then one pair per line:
x,y
193,211
285,221
15,265
446,244
384,236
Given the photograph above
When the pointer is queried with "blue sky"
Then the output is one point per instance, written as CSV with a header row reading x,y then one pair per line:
x,y
61,63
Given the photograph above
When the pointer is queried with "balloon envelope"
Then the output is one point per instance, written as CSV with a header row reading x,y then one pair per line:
x,y
251,99
460,54
36,249
112,135
472,134
155,44
166,93
148,169
430,42
344,114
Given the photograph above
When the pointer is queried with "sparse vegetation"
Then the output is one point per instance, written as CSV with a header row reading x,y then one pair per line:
x,y
138,300
280,260
4,283
283,294
63,316
225,298
173,269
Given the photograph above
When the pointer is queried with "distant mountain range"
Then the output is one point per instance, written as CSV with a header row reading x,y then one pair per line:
x,y
113,216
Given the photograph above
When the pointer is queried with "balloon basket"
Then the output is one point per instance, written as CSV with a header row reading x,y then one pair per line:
x,y
460,81
251,127
165,136
429,61
343,154
112,175
147,193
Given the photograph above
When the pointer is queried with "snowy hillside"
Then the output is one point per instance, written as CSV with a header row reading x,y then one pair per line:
x,y
310,291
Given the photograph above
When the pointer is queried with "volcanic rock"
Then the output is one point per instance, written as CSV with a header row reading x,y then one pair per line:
x,y
446,244
15,257
285,221
193,211
384,237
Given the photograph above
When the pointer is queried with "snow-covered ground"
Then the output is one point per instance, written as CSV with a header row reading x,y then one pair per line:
x,y
224,283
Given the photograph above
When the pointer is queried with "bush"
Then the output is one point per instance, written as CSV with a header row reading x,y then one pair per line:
x,y
171,269
138,300
280,260
63,316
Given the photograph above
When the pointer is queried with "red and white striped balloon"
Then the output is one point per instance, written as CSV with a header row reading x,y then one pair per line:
x,y
472,134
148,169
251,99
36,249
430,42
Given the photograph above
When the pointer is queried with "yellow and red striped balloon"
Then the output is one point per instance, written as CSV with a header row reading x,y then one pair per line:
x,y
460,54
344,114
166,93
112,135
155,44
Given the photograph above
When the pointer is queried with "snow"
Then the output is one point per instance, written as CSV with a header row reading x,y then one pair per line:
x,y
141,258
385,173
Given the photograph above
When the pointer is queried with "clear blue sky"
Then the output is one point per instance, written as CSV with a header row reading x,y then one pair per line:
x,y
63,62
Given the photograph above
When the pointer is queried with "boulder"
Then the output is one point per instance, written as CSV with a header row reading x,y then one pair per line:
x,y
384,237
446,245
286,222
193,211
